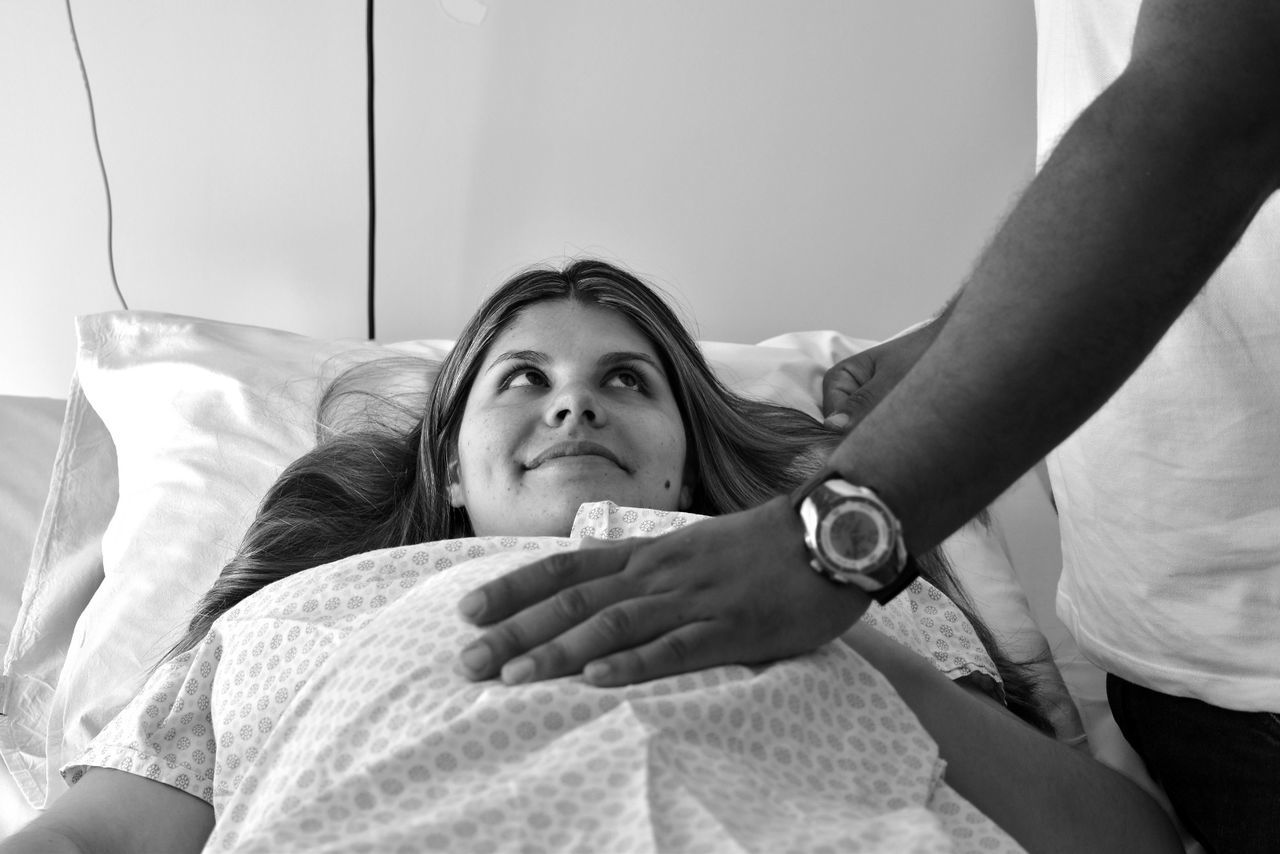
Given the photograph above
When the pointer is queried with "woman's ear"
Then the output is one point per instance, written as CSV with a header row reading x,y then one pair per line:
x,y
457,497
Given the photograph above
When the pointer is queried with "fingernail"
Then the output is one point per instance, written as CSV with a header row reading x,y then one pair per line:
x,y
476,658
596,672
471,605
838,420
518,671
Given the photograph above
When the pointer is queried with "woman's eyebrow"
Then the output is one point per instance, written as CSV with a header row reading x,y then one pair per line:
x,y
621,357
534,356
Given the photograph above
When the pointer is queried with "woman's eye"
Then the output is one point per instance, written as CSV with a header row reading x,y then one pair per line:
x,y
627,379
523,377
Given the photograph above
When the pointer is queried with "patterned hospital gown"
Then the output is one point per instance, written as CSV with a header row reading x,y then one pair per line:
x,y
325,713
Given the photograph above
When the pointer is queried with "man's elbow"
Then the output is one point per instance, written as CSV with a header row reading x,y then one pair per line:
x,y
1208,73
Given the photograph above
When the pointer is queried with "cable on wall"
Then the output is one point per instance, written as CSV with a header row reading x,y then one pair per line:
x,y
373,184
373,193
102,166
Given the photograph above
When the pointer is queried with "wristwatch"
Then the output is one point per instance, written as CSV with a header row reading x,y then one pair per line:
x,y
853,537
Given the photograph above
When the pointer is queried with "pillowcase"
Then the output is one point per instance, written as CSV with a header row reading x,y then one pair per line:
x,y
30,427
201,418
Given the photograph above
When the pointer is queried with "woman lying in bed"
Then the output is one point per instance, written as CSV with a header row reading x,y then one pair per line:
x,y
328,711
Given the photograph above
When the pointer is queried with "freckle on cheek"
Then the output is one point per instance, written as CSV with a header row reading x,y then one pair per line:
x,y
666,485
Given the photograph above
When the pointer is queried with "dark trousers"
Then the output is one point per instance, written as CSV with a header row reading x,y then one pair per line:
x,y
1220,768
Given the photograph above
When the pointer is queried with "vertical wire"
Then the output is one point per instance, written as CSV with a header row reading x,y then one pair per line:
x,y
102,166
373,184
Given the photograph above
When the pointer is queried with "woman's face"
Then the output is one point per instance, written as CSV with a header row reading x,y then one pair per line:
x,y
570,404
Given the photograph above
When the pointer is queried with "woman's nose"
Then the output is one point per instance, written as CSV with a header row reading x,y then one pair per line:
x,y
575,402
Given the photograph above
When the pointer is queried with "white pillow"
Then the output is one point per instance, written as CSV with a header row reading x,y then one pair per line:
x,y
202,416
30,428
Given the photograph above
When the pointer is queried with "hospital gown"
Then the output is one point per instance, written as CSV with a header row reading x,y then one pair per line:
x,y
326,713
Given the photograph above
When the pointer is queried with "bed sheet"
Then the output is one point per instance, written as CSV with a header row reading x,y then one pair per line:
x,y
325,712
29,431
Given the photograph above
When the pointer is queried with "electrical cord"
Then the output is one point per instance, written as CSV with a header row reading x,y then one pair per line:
x,y
373,193
102,166
373,184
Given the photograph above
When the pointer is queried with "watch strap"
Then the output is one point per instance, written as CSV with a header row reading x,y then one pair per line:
x,y
803,491
910,572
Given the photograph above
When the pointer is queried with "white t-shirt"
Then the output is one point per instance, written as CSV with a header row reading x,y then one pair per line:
x,y
325,713
1169,497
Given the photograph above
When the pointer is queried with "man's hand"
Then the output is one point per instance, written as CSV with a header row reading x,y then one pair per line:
x,y
735,589
852,387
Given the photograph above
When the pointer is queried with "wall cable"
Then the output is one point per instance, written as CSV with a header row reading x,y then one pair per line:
x,y
373,184
373,195
102,166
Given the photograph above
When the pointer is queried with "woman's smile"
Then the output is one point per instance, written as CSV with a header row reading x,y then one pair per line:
x,y
578,451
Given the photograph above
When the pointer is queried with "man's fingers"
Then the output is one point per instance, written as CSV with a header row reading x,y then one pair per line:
x,y
531,584
683,649
840,384
534,626
854,386
547,641
846,407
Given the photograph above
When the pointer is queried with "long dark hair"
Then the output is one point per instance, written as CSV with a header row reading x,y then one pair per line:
x,y
384,483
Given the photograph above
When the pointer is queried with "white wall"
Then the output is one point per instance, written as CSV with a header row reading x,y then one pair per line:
x,y
775,164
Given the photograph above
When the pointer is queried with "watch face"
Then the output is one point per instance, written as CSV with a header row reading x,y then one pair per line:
x,y
853,537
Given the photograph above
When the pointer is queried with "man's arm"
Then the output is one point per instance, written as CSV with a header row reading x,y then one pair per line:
x,y
1139,203
1141,200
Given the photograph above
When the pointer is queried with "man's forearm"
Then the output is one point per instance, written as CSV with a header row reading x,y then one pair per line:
x,y
1138,205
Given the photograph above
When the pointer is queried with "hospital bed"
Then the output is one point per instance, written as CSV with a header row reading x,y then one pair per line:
x,y
119,504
